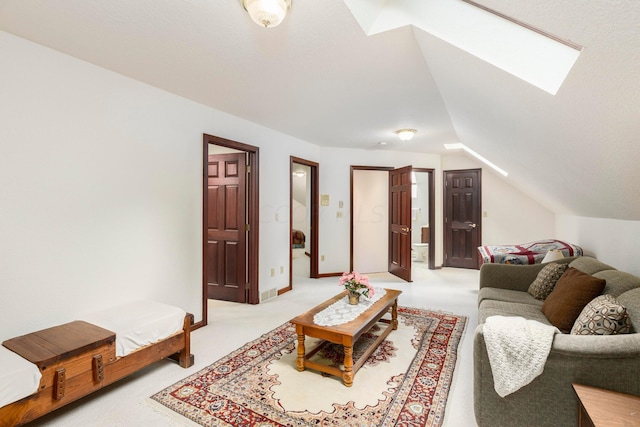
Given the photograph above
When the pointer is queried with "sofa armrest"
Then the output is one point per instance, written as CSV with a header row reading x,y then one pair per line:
x,y
597,346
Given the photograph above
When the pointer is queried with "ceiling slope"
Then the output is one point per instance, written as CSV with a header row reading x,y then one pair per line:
x,y
320,78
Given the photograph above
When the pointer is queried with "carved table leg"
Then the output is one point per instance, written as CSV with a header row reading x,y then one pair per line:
x,y
347,375
300,359
394,315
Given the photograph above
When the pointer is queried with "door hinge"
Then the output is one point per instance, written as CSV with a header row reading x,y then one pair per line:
x,y
248,168
246,227
246,286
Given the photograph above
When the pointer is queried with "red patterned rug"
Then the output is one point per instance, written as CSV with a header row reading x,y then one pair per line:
x,y
405,382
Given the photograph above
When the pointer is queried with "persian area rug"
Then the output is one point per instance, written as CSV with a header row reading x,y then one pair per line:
x,y
405,382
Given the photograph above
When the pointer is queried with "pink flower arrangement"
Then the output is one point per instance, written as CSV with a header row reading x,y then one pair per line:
x,y
358,283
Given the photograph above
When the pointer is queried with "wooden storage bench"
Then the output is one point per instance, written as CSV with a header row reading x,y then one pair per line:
x,y
78,358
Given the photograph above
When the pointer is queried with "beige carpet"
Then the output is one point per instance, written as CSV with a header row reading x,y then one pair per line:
x,y
404,382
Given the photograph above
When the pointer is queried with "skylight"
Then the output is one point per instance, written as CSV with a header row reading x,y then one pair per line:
x,y
523,51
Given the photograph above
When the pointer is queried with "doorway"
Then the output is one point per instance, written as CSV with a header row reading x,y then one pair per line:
x,y
230,223
462,218
422,224
370,218
303,220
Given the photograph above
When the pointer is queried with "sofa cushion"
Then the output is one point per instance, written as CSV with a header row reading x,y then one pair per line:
x,y
508,295
546,280
572,292
603,315
618,282
503,308
589,265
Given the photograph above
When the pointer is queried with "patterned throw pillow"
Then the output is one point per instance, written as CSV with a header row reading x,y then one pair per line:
x,y
546,280
604,315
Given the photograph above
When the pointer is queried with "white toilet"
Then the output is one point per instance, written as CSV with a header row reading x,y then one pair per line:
x,y
420,250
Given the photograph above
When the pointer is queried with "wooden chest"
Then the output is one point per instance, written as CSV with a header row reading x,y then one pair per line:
x,y
71,359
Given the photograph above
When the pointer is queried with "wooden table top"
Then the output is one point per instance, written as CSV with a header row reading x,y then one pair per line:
x,y
349,328
609,408
59,342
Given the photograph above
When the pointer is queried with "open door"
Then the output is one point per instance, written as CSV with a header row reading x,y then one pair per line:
x,y
226,227
400,222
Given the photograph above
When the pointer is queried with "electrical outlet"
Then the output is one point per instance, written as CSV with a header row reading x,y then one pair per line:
x,y
273,272
339,214
281,269
321,257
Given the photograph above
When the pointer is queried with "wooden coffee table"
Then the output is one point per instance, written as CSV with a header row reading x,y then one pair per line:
x,y
345,334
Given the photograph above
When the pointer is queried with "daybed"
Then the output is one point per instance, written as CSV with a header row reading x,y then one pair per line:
x,y
606,361
47,369
526,253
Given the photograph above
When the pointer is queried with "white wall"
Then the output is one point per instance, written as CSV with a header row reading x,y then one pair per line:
x,y
102,190
614,242
370,221
511,216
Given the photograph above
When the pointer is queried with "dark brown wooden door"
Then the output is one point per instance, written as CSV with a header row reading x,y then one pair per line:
x,y
400,222
226,227
462,227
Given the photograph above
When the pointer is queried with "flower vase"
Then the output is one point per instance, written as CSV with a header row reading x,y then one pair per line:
x,y
354,298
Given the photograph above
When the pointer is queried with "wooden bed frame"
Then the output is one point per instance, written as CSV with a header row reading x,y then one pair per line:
x,y
87,364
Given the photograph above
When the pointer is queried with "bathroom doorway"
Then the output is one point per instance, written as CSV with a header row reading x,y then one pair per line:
x,y
370,217
422,213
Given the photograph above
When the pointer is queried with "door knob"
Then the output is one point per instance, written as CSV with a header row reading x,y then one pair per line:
x,y
473,225
405,229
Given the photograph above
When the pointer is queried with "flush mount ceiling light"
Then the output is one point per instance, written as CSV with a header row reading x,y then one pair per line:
x,y
267,13
406,134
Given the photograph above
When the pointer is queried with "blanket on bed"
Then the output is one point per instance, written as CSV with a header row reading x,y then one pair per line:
x,y
526,253
518,349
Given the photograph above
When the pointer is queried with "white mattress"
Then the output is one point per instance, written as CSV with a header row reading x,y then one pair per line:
x,y
19,378
138,323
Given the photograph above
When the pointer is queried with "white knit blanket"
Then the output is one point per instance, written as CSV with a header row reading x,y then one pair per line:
x,y
518,349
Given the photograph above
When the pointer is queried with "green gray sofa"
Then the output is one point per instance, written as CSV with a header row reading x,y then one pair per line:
x,y
608,361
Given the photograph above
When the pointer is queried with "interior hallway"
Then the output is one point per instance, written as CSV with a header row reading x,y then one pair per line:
x,y
231,325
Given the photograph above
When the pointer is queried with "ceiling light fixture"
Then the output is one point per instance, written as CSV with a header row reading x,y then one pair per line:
x,y
406,134
267,13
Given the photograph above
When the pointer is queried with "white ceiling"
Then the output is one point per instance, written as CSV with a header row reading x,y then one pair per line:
x,y
320,78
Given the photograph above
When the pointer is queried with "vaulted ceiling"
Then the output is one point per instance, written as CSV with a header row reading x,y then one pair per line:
x,y
320,77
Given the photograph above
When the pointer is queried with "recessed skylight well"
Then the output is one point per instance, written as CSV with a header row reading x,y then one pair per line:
x,y
532,55
460,146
